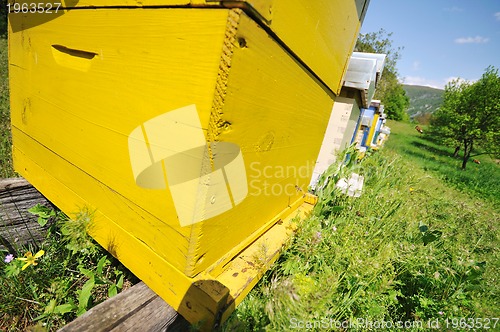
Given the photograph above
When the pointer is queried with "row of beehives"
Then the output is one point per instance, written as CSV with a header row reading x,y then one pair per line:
x,y
356,117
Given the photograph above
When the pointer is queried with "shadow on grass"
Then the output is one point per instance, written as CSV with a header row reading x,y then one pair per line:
x,y
476,179
442,151
417,148
428,152
432,137
429,162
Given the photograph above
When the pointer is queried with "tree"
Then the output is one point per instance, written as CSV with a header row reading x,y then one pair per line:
x,y
389,90
396,102
469,117
380,42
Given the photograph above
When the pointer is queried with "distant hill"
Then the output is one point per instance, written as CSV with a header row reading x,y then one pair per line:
x,y
423,101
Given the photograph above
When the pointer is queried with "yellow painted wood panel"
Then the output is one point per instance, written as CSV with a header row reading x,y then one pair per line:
x,y
165,60
113,115
265,7
321,33
54,177
108,3
200,300
372,129
81,90
34,162
277,114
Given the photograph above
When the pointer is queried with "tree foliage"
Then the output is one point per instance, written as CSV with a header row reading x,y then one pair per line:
x,y
468,118
396,103
389,90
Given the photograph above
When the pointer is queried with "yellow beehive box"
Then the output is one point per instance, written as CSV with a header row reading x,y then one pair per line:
x,y
190,132
320,33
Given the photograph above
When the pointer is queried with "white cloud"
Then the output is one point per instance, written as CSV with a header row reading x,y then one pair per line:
x,y
461,80
415,65
497,15
470,40
416,80
436,84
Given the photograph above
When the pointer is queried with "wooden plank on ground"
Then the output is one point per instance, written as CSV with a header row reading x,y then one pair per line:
x,y
136,309
18,227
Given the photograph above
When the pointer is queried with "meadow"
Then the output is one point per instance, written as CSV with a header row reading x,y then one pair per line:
x,y
425,152
419,248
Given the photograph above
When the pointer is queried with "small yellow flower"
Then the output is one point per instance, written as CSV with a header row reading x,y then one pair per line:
x,y
411,189
30,259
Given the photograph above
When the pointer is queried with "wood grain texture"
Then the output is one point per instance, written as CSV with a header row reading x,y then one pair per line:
x,y
167,59
17,226
137,308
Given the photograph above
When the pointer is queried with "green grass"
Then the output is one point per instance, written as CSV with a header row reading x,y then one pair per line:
x,y
73,273
423,151
6,169
413,248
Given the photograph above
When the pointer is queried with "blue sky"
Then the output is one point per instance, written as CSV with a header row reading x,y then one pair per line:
x,y
442,39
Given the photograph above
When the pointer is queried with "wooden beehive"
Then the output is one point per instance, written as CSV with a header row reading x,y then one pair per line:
x,y
338,135
363,73
190,131
377,107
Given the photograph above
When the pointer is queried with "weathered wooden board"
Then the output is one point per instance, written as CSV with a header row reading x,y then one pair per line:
x,y
136,309
17,226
